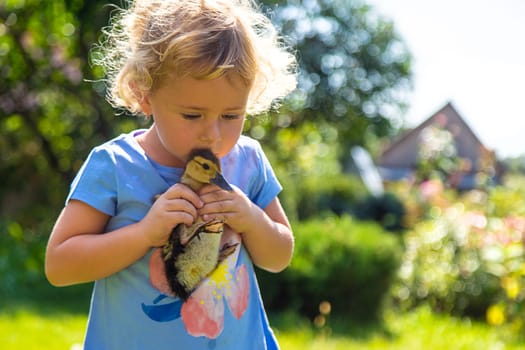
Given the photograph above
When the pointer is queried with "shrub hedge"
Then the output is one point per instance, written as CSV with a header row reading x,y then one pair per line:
x,y
348,263
308,197
21,258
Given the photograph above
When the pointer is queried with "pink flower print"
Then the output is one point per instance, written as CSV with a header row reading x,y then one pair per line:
x,y
238,300
203,313
157,273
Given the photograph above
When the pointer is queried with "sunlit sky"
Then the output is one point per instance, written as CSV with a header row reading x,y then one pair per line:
x,y
471,53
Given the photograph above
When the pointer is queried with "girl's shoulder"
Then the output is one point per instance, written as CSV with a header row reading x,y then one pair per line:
x,y
246,154
120,148
246,147
121,152
124,142
247,142
248,168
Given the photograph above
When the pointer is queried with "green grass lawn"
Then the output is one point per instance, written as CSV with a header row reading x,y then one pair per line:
x,y
26,329
420,329
36,325
44,317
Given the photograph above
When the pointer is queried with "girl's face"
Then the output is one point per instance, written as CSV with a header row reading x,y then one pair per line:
x,y
190,113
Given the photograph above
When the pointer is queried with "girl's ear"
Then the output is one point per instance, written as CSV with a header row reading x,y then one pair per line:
x,y
143,99
145,105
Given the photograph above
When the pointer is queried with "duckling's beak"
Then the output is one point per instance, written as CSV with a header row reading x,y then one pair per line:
x,y
220,181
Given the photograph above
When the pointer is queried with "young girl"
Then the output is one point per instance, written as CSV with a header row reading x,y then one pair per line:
x,y
197,68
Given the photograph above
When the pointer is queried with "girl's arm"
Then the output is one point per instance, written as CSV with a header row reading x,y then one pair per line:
x,y
270,239
78,251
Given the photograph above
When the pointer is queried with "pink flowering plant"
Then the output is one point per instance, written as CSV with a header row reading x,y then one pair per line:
x,y
465,255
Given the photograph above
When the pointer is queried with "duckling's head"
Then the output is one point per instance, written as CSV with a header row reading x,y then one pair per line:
x,y
203,168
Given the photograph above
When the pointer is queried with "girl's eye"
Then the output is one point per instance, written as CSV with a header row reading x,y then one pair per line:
x,y
191,116
231,116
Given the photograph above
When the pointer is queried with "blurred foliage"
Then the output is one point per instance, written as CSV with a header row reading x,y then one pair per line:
x,y
51,114
53,111
328,195
515,164
465,252
22,269
387,210
348,263
314,185
437,154
354,69
21,257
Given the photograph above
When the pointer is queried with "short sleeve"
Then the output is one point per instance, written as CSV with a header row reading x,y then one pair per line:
x,y
95,184
267,186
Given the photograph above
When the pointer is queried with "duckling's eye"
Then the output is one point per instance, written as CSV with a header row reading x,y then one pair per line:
x,y
206,166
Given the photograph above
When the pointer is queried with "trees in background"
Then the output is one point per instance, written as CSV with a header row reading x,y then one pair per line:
x,y
353,71
51,111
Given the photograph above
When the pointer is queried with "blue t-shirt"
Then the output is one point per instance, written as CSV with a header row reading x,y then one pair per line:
x,y
130,309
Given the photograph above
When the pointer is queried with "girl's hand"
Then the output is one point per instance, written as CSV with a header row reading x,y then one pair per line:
x,y
267,234
179,204
234,207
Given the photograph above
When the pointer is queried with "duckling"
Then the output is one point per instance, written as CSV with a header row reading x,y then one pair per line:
x,y
193,252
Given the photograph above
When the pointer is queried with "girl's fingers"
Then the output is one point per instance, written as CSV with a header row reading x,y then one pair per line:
x,y
218,207
211,194
182,217
180,191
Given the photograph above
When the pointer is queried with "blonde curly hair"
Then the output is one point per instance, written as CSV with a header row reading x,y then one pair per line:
x,y
203,39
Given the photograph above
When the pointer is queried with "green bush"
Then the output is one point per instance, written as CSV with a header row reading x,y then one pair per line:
x,y
21,258
22,255
340,194
348,263
333,194
387,210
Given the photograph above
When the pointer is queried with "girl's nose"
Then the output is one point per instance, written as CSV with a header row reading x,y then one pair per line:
x,y
212,131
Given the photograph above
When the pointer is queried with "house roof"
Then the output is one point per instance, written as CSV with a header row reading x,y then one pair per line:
x,y
403,151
